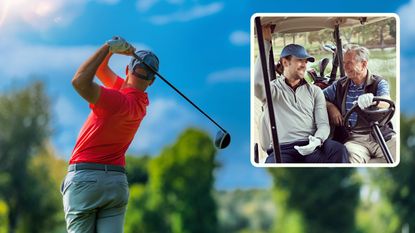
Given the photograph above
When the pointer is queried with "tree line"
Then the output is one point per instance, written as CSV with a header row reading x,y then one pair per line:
x,y
380,34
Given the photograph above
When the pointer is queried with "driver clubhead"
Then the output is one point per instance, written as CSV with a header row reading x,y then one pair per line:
x,y
222,140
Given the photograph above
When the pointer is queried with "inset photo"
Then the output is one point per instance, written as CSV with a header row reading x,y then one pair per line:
x,y
325,90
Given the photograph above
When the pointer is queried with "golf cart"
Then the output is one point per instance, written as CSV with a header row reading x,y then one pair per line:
x,y
374,116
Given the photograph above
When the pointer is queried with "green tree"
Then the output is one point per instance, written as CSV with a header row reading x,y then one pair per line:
x,y
374,34
140,217
322,37
245,211
178,197
320,200
24,121
137,169
3,217
347,34
182,179
375,212
398,183
392,27
44,211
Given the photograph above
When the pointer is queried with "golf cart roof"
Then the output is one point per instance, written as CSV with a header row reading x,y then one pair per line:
x,y
309,24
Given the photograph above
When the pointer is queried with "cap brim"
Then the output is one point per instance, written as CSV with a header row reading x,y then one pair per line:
x,y
309,58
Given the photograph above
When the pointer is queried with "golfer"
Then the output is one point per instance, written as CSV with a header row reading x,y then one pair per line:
x,y
95,190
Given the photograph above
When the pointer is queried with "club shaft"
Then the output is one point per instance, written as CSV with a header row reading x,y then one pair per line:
x,y
179,92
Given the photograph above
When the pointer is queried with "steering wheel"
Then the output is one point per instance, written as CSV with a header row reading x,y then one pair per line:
x,y
368,116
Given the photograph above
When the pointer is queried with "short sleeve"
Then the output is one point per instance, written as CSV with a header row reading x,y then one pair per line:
x,y
118,83
330,92
109,102
383,88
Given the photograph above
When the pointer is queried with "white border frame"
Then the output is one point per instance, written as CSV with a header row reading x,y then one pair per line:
x,y
397,104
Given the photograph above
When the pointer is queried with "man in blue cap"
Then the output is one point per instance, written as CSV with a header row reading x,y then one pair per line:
x,y
95,190
300,111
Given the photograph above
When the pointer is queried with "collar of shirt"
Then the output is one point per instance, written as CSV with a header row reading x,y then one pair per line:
x,y
355,86
301,82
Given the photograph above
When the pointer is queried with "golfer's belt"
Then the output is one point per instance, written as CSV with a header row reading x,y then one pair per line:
x,y
95,166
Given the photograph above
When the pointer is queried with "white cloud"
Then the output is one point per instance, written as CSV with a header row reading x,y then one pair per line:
x,y
42,14
407,84
239,38
196,12
236,74
108,2
19,59
407,17
145,5
64,143
165,119
69,120
66,113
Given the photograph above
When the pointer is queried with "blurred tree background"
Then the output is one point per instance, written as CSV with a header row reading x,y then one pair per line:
x,y
179,196
28,178
174,191
313,195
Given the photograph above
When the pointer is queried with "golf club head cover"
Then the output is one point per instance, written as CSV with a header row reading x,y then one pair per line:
x,y
148,61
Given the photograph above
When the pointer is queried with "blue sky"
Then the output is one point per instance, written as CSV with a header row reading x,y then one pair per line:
x,y
204,50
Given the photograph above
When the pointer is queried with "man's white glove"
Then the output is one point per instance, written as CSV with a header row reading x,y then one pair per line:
x,y
313,143
118,45
365,100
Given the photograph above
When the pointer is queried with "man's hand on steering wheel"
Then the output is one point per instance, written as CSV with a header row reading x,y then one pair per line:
x,y
365,100
372,114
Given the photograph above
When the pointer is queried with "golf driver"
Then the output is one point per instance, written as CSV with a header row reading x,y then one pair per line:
x,y
223,138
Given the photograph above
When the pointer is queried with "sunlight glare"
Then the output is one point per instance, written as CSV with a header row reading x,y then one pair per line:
x,y
5,9
29,11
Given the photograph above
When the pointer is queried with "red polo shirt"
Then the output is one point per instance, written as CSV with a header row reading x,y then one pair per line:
x,y
111,126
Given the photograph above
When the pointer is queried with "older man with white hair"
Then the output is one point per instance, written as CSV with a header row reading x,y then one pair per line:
x,y
362,86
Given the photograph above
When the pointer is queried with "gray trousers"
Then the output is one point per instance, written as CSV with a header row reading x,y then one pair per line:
x,y
95,201
364,149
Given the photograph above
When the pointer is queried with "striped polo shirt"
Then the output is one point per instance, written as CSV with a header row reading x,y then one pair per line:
x,y
353,94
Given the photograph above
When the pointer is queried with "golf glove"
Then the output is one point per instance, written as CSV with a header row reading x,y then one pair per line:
x,y
365,100
313,143
118,45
